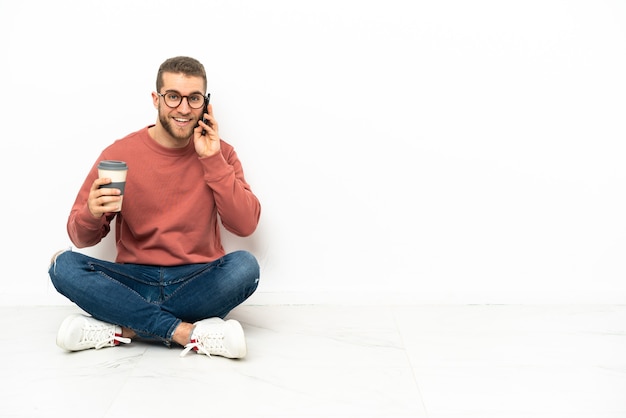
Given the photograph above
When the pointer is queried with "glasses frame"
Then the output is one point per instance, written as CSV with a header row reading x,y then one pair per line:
x,y
204,102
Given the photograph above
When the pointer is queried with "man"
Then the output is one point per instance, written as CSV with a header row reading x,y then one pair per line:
x,y
172,280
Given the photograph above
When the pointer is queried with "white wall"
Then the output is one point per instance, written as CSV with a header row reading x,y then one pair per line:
x,y
429,151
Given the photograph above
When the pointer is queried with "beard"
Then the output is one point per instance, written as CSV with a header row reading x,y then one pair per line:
x,y
175,131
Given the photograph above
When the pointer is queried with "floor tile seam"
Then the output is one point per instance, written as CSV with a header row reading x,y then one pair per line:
x,y
416,382
553,370
523,365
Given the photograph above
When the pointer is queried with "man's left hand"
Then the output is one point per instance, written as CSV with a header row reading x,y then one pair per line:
x,y
209,143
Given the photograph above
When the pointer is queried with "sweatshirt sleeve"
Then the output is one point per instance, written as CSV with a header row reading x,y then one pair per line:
x,y
239,209
83,229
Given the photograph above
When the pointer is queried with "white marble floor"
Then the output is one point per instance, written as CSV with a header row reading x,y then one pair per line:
x,y
334,361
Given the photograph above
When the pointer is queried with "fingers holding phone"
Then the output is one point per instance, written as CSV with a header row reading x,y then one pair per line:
x,y
206,136
207,99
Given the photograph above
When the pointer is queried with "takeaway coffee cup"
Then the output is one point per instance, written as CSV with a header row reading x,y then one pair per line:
x,y
116,171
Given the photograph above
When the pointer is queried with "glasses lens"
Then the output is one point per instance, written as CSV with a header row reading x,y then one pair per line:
x,y
196,101
172,99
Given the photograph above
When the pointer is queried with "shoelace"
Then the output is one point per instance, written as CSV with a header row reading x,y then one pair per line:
x,y
211,342
102,336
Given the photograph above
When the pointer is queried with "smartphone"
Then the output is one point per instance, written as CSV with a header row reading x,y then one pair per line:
x,y
206,110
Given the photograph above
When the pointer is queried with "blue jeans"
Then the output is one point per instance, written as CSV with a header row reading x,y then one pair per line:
x,y
153,300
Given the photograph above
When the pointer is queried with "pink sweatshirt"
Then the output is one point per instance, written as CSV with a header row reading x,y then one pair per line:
x,y
172,201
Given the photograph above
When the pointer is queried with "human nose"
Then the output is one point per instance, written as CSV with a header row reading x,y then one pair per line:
x,y
184,103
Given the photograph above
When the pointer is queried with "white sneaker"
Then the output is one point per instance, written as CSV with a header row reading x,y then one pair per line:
x,y
81,332
214,336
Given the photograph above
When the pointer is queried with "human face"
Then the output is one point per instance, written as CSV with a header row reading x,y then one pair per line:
x,y
179,122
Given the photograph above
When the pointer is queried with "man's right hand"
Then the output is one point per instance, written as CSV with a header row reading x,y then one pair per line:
x,y
99,197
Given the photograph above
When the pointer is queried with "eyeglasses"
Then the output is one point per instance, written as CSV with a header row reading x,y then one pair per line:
x,y
174,99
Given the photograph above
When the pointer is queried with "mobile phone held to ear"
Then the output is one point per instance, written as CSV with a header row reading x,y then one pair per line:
x,y
206,110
